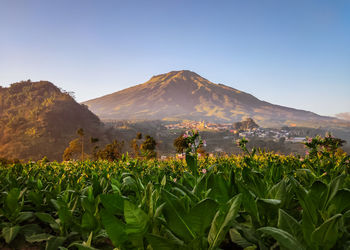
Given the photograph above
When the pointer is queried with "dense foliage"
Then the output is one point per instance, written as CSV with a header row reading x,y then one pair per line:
x,y
256,200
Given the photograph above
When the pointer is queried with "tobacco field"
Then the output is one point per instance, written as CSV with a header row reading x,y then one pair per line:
x,y
256,200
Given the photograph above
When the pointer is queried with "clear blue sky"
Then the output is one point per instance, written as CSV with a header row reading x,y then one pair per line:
x,y
292,53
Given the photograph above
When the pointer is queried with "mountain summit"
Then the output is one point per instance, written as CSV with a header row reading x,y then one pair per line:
x,y
185,95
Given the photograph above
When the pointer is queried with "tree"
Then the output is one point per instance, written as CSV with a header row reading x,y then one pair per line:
x,y
148,147
112,151
181,144
94,152
135,145
80,132
73,150
139,136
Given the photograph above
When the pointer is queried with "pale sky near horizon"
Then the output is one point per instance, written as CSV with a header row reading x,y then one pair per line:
x,y
292,53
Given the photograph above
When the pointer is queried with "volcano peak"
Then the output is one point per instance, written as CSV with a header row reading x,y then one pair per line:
x,y
176,75
185,95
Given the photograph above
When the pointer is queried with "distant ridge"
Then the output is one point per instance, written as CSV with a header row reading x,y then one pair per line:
x,y
344,116
37,119
185,95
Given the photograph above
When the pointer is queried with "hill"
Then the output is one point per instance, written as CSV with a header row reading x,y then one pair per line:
x,y
37,119
344,116
245,125
185,95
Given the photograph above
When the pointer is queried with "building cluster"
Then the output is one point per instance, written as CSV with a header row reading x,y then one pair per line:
x,y
275,134
202,125
238,131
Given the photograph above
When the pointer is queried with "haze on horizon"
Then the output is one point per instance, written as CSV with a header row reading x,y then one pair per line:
x,y
291,53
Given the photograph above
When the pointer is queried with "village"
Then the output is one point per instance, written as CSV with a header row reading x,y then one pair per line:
x,y
247,129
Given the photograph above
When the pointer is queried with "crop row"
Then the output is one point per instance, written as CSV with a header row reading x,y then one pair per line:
x,y
253,201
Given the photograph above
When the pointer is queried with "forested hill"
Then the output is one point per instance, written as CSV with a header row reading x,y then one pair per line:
x,y
38,119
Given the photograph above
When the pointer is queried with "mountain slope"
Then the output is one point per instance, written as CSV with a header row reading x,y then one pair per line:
x,y
37,119
344,116
180,95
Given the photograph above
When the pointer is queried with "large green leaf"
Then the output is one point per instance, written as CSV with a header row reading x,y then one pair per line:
x,y
174,214
87,204
114,227
272,202
250,204
318,194
172,237
9,233
136,219
201,216
113,203
158,242
328,233
191,161
38,237
54,243
237,238
129,184
279,191
219,188
65,215
31,229
268,210
45,217
307,226
334,186
24,216
11,201
310,214
201,184
88,222
289,224
284,238
35,197
147,201
86,245
223,221
247,232
185,190
340,202
255,182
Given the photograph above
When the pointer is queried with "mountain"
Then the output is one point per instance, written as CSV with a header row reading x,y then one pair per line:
x,y
37,119
344,116
185,95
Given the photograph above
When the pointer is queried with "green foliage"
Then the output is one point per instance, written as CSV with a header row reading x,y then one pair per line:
x,y
181,144
148,148
253,201
73,151
111,152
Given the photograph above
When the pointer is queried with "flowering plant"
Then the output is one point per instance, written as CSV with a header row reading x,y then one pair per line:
x,y
194,142
327,145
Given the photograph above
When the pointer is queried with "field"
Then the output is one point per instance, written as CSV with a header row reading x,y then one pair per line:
x,y
256,200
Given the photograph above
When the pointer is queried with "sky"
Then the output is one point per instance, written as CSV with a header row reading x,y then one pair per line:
x,y
294,53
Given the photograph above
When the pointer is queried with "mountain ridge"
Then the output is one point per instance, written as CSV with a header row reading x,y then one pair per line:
x,y
186,95
37,119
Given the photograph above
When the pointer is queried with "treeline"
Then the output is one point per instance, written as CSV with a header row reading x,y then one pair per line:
x,y
82,148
